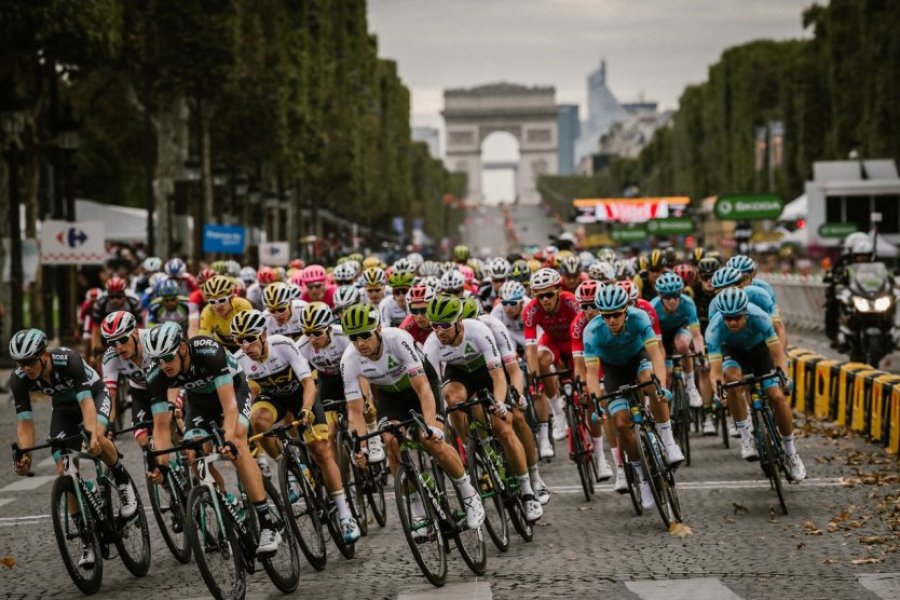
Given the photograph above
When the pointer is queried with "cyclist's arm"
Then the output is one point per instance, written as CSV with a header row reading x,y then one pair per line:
x,y
228,400
205,326
657,359
778,355
697,335
715,371
592,375
24,416
530,332
580,369
422,387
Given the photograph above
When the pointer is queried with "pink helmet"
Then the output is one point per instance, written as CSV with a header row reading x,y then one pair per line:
x,y
297,279
467,272
314,274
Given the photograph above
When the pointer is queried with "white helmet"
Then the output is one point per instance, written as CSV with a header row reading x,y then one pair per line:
x,y
601,271
163,339
431,281
344,272
544,278
346,295
415,259
430,268
452,280
152,264
862,246
247,275
498,268
853,238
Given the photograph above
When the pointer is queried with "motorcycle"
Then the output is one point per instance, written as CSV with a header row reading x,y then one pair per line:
x,y
868,304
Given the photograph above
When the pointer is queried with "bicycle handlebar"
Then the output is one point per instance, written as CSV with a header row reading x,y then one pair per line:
x,y
625,390
276,431
748,380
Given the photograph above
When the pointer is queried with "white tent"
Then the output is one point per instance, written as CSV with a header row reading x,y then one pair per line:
x,y
796,209
123,223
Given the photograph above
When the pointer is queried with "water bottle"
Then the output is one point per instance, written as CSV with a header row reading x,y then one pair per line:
x,y
237,510
308,474
293,489
492,455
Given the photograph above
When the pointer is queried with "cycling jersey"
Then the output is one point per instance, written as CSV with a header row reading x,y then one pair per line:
x,y
619,348
280,371
158,312
647,289
757,296
409,326
476,350
645,306
115,366
220,327
391,371
505,345
555,325
291,328
577,332
683,317
102,307
766,286
197,301
758,328
254,295
392,314
515,327
326,361
702,300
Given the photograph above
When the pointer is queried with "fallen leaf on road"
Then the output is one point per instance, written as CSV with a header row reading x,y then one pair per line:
x,y
873,539
739,508
681,530
800,545
829,561
8,561
772,513
584,508
729,520
810,528
866,561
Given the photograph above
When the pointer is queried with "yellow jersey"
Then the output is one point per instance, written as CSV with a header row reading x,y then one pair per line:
x,y
220,327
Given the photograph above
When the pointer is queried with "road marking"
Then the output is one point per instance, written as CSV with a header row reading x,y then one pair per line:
x,y
710,485
28,483
47,462
708,588
479,590
883,585
5,501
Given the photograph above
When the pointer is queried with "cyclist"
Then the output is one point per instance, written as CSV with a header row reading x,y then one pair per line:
x,y
572,275
287,391
651,267
216,395
393,307
177,270
553,311
741,339
622,341
496,274
265,277
79,398
509,311
386,357
727,277
315,283
416,322
374,280
345,273
115,298
345,297
221,306
748,268
465,350
703,296
170,306
453,283
282,314
680,328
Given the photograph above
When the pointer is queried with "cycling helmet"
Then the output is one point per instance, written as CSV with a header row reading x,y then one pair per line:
x,y
276,295
217,287
415,260
852,239
371,261
117,324
520,271
356,257
205,275
862,246
512,291
316,317
697,255
687,272
444,309
669,283
232,268
570,265
168,288
477,266
247,275
175,267
27,344
452,281
726,277
163,339
346,295
374,277
266,275
601,271
733,301
545,278
656,260
611,298
219,267
586,291
297,263
115,285
402,265
461,253
624,268
708,265
742,263
314,274
498,268
431,281
294,291
430,268
360,318
607,255
401,279
586,258
471,308
92,294
420,293
152,264
344,273
247,323
630,289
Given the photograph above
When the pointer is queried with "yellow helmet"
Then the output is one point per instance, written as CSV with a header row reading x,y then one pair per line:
x,y
371,261
217,287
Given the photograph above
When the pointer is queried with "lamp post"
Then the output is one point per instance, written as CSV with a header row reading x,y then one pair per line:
x,y
13,124
68,141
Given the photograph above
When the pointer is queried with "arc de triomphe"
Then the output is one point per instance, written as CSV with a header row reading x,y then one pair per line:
x,y
528,113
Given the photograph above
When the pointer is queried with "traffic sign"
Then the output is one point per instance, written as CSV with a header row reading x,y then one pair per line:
x,y
274,253
670,226
748,207
630,234
837,230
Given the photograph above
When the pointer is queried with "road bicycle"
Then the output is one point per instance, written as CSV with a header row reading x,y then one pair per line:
x,y
680,408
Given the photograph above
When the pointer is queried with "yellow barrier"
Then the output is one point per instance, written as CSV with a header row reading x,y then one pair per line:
x,y
846,369
893,446
797,371
825,372
860,408
877,419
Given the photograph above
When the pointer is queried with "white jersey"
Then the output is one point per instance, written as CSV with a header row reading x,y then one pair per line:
x,y
115,366
505,345
514,327
291,327
476,350
392,371
280,372
254,295
326,361
392,314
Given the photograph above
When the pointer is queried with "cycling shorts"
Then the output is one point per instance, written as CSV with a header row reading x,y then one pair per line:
x,y
756,361
616,376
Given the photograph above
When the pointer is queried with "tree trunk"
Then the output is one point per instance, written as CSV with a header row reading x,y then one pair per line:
x,y
171,145
209,212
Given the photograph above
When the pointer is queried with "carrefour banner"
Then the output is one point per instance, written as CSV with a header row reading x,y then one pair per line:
x,y
77,243
225,239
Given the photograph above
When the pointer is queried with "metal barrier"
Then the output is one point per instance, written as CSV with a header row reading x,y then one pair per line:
x,y
852,395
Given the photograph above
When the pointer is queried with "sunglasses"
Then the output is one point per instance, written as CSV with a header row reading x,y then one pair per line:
x,y
453,292
399,291
613,315
120,341
545,296
279,310
443,326
314,286
215,301
418,311
315,333
510,303
167,358
500,280
354,337
705,276
250,339
27,364
170,298
116,296
587,306
670,296
733,318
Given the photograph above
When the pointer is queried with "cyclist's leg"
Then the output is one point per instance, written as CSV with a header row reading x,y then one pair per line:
x,y
738,399
264,413
454,392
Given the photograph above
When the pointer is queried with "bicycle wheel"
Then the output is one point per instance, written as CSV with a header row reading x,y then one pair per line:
x,y
73,532
169,514
374,485
425,539
578,453
354,485
721,413
215,545
515,508
682,416
302,512
133,534
283,567
330,516
769,458
491,495
470,542
634,489
653,471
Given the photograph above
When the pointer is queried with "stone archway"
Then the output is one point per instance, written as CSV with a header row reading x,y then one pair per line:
x,y
529,114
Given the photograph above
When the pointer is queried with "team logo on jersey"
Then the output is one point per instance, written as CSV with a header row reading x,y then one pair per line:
x,y
391,363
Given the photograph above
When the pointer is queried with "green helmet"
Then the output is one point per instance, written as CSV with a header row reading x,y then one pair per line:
x,y
471,308
360,318
401,279
444,309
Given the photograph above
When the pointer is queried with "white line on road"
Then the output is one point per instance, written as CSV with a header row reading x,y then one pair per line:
x,y
883,585
5,501
682,589
479,590
28,483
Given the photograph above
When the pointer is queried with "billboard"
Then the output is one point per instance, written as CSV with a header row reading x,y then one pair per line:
x,y
629,210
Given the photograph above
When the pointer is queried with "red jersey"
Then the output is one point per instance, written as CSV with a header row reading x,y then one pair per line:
x,y
577,332
196,298
648,308
410,326
556,325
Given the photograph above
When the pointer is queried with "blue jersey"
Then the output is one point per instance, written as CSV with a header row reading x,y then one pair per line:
x,y
757,296
684,316
618,349
757,329
766,286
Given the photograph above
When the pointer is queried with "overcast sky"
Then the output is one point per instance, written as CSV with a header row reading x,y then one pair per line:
x,y
652,47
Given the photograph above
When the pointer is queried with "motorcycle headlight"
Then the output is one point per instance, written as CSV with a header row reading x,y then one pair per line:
x,y
861,304
883,303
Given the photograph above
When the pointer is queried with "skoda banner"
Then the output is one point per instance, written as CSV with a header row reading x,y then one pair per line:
x,y
223,239
78,243
748,207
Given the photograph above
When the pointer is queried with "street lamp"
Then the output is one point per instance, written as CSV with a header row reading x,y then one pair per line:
x,y
13,124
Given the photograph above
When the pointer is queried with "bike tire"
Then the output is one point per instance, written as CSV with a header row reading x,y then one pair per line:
x,y
653,473
470,542
404,480
634,489
86,580
683,421
354,485
721,414
200,512
136,561
303,514
491,496
374,483
177,543
773,466
578,453
330,516
516,510
283,570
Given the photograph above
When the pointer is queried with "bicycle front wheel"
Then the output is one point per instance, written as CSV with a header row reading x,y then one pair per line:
x,y
215,545
374,483
354,484
651,460
579,453
169,515
73,534
721,413
470,542
489,488
302,512
132,535
681,412
423,532
283,567
769,458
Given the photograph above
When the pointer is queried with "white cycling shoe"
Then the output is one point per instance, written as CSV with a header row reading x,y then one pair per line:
x,y
128,500
795,467
604,471
748,450
474,511
546,450
560,430
533,509
709,427
376,450
695,400
269,540
541,492
350,530
647,501
621,484
674,455
87,557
